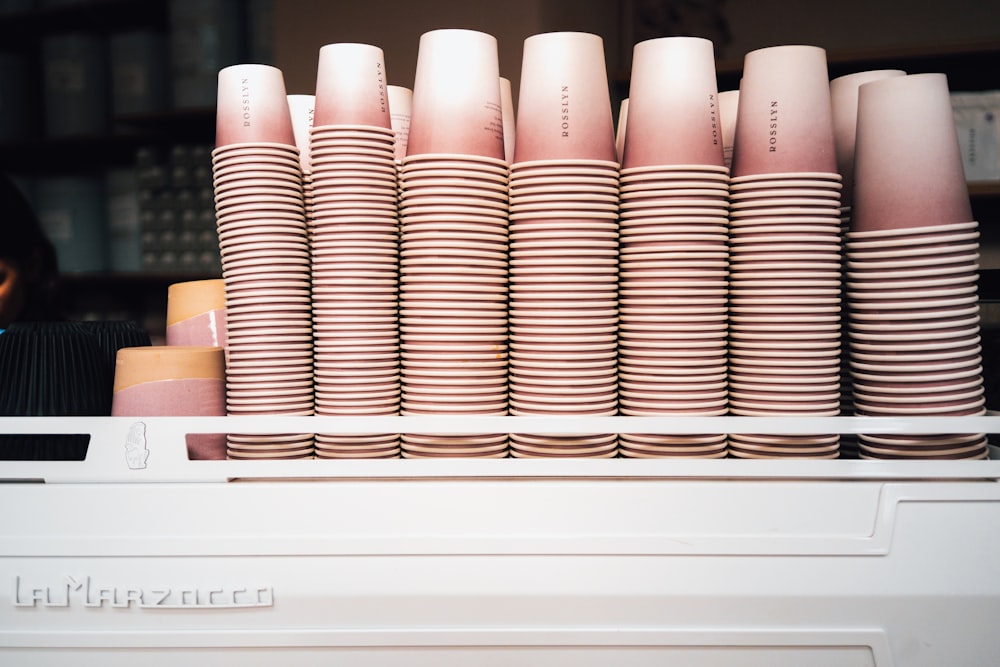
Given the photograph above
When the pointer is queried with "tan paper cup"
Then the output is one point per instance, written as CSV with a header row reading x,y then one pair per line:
x,y
351,86
844,100
196,313
400,109
181,381
673,104
456,96
564,106
908,165
252,106
784,120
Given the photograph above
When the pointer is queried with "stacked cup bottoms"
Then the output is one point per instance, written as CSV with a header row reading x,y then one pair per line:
x,y
265,266
453,297
563,300
914,334
673,285
355,284
265,259
785,320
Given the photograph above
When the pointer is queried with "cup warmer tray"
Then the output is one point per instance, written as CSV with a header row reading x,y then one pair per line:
x,y
138,554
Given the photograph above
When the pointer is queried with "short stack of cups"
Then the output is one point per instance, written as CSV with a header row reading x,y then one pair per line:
x,y
785,252
196,313
564,245
912,269
844,100
175,381
354,249
453,250
264,244
674,255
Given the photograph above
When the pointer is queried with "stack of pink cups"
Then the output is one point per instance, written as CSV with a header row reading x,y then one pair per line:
x,y
354,248
265,258
844,99
785,252
564,244
911,281
453,249
674,255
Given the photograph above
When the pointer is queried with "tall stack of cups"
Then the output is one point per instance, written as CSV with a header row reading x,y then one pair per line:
x,y
844,99
674,257
785,251
453,250
564,244
912,269
261,221
354,248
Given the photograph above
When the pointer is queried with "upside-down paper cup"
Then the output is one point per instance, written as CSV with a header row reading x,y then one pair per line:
x,y
400,110
252,107
351,87
844,98
564,107
509,118
908,163
784,119
456,95
673,112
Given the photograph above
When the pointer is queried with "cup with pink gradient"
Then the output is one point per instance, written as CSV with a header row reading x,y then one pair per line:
x,y
673,113
785,116
456,95
564,107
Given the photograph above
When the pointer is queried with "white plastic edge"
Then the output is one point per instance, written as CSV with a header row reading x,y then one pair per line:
x,y
164,457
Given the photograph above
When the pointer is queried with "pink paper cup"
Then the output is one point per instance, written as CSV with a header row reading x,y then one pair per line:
x,y
784,120
673,110
456,96
400,110
302,108
564,106
351,86
844,100
908,168
509,118
252,107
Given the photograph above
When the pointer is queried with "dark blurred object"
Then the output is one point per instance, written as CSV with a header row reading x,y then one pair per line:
x,y
50,369
29,269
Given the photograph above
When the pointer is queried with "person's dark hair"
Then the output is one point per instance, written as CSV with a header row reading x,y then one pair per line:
x,y
23,241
